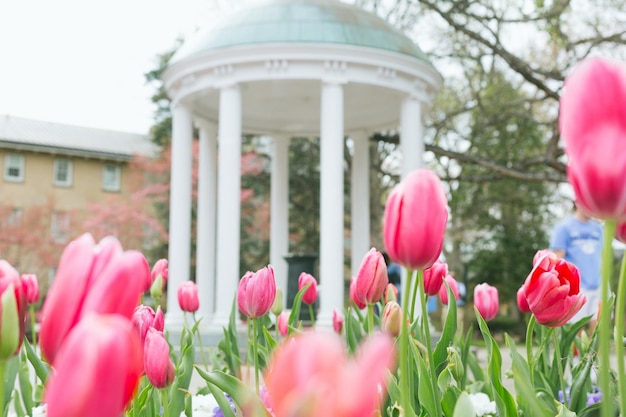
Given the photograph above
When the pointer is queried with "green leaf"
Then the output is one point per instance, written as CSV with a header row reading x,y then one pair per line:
x,y
26,389
464,407
425,388
240,393
447,335
179,389
41,368
19,409
294,316
221,401
9,323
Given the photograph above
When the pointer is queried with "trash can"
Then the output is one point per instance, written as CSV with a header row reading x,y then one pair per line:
x,y
296,264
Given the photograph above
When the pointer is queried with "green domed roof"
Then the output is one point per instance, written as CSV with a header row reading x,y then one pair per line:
x,y
301,21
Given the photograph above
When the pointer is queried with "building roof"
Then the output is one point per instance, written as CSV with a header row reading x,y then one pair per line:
x,y
301,21
40,136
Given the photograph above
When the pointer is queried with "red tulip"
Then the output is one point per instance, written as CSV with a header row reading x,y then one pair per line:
x,y
541,253
592,120
145,318
486,301
97,369
552,291
356,300
415,220
372,278
443,292
391,320
256,292
310,294
91,279
433,277
31,288
337,322
188,296
311,376
157,364
522,304
282,322
620,234
9,278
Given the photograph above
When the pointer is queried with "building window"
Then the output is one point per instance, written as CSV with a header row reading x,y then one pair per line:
x,y
60,226
62,175
14,167
111,175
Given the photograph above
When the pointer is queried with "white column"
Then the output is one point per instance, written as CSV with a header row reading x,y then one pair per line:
x,y
279,215
205,222
180,210
411,135
228,201
360,197
331,202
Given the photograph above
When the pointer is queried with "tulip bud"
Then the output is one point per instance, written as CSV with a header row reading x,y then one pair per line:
x,y
145,318
158,366
372,278
443,291
357,302
282,322
30,283
455,364
277,306
256,292
310,295
188,296
9,324
433,277
160,270
391,293
156,289
337,322
392,318
486,301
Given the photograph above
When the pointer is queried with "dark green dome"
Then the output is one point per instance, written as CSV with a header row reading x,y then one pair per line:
x,y
301,21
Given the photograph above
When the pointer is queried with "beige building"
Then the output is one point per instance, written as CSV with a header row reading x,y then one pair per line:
x,y
54,177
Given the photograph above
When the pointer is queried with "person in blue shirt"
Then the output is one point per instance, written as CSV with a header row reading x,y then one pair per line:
x,y
578,239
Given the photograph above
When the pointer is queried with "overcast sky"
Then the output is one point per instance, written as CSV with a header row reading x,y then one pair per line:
x,y
83,62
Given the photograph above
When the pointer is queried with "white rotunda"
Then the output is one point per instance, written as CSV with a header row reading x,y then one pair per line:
x,y
285,68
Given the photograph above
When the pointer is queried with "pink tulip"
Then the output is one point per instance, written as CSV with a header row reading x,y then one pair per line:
x,y
91,278
145,318
337,322
9,277
282,322
372,278
353,297
391,320
522,304
592,121
188,297
157,364
541,253
552,291
159,269
443,292
31,288
620,233
486,301
390,294
310,295
415,220
433,277
97,369
256,292
311,376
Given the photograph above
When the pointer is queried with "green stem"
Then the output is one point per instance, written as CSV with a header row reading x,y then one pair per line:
x,y
559,363
529,348
311,315
33,332
426,329
164,402
204,361
413,298
620,310
3,371
405,386
370,318
605,317
256,356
